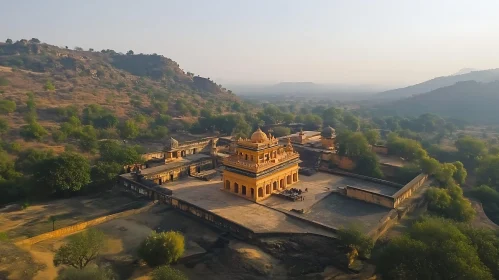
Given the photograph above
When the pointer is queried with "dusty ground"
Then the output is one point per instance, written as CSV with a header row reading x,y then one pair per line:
x,y
34,220
225,258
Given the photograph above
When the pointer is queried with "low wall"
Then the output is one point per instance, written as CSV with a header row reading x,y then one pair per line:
x,y
409,188
369,196
81,226
379,149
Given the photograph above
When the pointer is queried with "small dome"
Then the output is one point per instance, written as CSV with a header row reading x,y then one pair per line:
x,y
328,132
258,136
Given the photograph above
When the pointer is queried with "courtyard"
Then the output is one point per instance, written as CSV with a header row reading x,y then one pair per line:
x,y
322,204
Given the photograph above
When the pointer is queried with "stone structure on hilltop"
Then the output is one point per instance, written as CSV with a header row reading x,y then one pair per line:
x,y
260,167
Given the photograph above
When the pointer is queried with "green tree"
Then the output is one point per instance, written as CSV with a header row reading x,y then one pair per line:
x,y
114,151
461,173
33,131
429,165
372,136
66,173
81,249
129,129
353,238
130,52
4,126
7,106
487,172
470,149
162,248
352,122
49,86
8,41
105,173
433,248
29,159
279,131
34,41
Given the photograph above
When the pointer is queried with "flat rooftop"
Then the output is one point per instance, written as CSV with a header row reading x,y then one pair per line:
x,y
321,204
391,160
174,164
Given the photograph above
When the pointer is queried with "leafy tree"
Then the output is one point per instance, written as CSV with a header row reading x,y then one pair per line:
x,y
461,173
165,272
104,173
66,173
29,159
429,165
88,138
489,198
33,131
279,131
353,238
470,149
34,41
372,136
81,249
332,116
87,273
4,126
407,148
129,129
114,151
162,248
7,170
49,86
8,41
352,122
487,172
434,248
130,52
58,136
7,106
368,164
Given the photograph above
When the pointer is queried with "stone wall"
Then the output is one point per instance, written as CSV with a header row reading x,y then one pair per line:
x,y
409,188
65,231
369,196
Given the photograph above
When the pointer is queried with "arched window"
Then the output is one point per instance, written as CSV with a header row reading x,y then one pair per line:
x,y
227,184
282,184
288,179
295,177
243,190
236,187
274,186
268,189
260,192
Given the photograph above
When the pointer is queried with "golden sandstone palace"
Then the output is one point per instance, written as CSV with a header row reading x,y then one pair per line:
x,y
260,167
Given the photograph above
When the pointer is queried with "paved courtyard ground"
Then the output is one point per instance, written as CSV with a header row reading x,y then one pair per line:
x,y
321,204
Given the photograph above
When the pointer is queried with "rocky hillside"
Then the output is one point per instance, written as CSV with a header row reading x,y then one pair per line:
x,y
125,86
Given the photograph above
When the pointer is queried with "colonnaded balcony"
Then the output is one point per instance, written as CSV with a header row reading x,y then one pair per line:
x,y
240,162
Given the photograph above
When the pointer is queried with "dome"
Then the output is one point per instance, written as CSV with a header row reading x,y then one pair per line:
x,y
328,132
258,136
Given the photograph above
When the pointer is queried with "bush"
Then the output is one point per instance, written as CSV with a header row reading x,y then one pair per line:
x,y
280,131
450,203
4,126
162,248
49,86
353,238
165,272
33,131
7,106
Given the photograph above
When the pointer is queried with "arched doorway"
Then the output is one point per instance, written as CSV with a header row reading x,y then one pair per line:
x,y
282,184
260,192
274,186
236,187
288,179
252,191
227,184
243,190
295,177
267,189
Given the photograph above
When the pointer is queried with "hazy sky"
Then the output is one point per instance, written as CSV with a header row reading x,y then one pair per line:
x,y
379,42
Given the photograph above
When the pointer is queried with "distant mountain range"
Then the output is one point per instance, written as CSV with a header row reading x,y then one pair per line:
x,y
483,76
469,100
307,89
